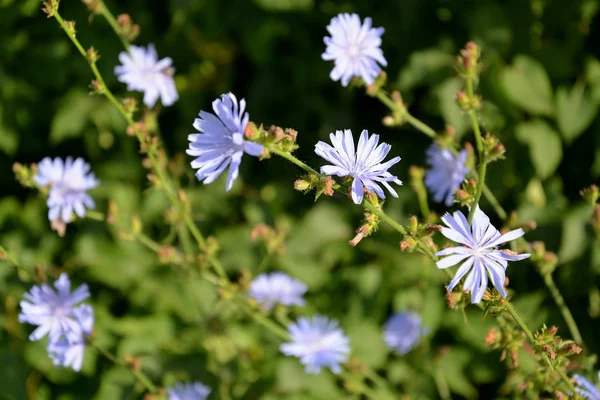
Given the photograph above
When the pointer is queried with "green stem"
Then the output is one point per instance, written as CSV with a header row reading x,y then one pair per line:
x,y
263,320
184,237
404,114
564,309
149,243
105,12
480,185
140,376
480,149
376,210
95,215
6,255
441,384
292,159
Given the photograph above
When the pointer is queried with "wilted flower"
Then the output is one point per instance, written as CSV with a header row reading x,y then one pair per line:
x,y
68,181
318,343
403,331
142,71
53,311
446,173
364,165
69,352
277,287
479,248
221,142
587,388
189,391
354,48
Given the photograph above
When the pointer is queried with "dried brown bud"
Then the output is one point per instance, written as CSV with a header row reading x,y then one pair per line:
x,y
450,299
361,233
549,351
514,357
328,191
491,337
552,331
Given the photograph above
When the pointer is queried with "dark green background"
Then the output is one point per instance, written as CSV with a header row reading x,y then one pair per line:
x,y
536,55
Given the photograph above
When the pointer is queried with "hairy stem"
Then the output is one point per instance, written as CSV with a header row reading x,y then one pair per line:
x,y
480,149
405,115
105,12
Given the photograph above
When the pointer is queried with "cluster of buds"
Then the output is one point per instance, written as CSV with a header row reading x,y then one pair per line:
x,y
468,103
284,139
50,7
418,232
169,255
92,55
272,238
129,106
129,30
370,225
468,61
465,196
25,174
493,149
546,261
136,229
321,184
554,346
591,194
396,118
509,341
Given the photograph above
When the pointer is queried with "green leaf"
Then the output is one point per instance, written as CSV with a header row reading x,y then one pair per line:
x,y
575,111
71,116
9,140
285,5
574,237
528,86
421,65
367,343
544,144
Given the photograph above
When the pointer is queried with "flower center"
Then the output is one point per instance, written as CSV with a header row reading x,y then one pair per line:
x,y
353,50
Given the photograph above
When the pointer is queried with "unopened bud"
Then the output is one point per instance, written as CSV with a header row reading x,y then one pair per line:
x,y
591,194
492,337
92,5
250,132
552,331
548,350
413,225
301,185
388,121
328,190
463,100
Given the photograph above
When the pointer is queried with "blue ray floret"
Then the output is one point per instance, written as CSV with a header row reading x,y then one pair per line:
x,y
277,287
446,173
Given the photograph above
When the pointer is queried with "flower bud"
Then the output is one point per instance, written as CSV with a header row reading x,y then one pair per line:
x,y
590,194
462,100
301,185
92,5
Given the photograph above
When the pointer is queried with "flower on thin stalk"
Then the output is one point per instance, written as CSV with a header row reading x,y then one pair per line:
x,y
355,49
189,391
69,181
364,164
277,287
445,174
479,252
318,343
586,388
142,71
403,331
221,142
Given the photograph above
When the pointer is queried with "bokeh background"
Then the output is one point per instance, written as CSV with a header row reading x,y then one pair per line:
x,y
541,86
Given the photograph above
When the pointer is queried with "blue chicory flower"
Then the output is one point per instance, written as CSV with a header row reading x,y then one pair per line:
x,y
403,331
479,252
355,49
445,174
277,287
69,181
221,143
587,388
52,311
142,71
188,391
364,164
318,343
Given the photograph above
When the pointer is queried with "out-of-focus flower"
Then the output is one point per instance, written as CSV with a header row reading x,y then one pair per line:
x,y
53,311
318,343
142,71
479,252
445,174
221,143
587,388
403,331
189,391
69,352
277,287
69,181
355,49
364,164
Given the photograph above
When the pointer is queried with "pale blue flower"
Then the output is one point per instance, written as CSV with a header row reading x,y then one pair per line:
x,y
277,287
403,331
67,352
364,164
446,173
478,251
587,388
355,49
221,143
53,311
142,71
69,181
318,343
189,391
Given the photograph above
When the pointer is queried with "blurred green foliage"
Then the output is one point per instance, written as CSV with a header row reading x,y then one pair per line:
x,y
541,91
